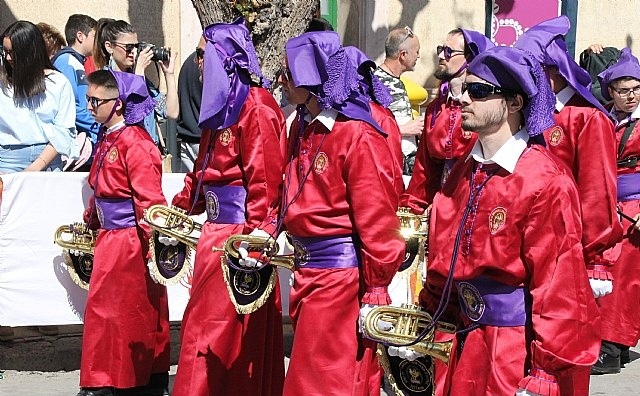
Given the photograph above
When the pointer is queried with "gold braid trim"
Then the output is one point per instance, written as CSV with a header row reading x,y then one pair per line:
x,y
154,272
72,271
254,306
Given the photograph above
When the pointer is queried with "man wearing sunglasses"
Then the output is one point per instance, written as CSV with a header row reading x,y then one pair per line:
x,y
505,258
620,84
402,51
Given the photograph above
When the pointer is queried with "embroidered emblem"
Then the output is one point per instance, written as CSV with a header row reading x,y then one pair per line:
x,y
497,219
471,301
466,134
168,259
246,283
555,136
415,376
85,265
300,253
113,155
225,137
213,205
321,163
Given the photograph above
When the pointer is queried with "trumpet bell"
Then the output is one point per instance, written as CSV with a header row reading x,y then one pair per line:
x,y
80,238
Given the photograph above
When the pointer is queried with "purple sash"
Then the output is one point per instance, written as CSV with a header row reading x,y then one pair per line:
x,y
115,213
225,204
490,303
325,252
629,187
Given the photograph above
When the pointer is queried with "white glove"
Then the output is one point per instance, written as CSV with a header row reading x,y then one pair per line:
x,y
167,240
600,287
245,260
364,310
405,353
524,392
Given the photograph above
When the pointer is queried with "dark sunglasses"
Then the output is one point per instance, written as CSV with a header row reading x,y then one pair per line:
x,y
97,102
128,48
478,90
199,53
448,51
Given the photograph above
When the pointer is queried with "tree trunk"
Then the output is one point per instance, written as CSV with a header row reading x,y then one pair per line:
x,y
271,23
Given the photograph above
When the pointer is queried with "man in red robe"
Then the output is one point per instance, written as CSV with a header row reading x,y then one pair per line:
x,y
339,207
505,254
620,315
236,176
125,343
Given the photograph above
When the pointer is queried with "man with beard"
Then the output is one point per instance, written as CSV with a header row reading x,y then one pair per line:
x,y
402,51
505,252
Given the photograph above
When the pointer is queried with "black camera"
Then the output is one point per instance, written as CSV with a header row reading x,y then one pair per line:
x,y
159,53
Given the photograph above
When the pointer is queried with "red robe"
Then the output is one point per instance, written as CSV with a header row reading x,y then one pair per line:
x,y
619,310
444,142
384,117
525,231
350,190
584,140
126,319
225,353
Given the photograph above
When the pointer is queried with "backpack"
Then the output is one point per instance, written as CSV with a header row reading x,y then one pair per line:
x,y
595,64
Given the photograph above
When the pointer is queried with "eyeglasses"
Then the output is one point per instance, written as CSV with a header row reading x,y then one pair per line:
x,y
199,53
97,102
5,52
128,48
448,51
624,92
478,90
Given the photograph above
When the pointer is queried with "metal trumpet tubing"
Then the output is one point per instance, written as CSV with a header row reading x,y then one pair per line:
x,y
75,237
173,222
266,246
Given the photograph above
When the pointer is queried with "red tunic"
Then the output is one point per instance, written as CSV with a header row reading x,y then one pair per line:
x,y
440,145
524,231
126,320
584,140
619,310
349,189
384,117
222,352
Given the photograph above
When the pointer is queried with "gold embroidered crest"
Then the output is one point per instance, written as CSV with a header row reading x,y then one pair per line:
x,y
225,137
113,155
497,219
555,136
466,134
321,163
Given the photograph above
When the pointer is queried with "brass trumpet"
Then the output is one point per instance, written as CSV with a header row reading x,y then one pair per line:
x,y
267,246
408,321
80,238
173,222
411,224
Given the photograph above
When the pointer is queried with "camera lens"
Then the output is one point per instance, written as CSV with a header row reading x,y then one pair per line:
x,y
161,54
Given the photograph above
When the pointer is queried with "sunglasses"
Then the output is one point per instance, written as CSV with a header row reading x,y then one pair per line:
x,y
478,90
409,32
199,53
128,48
97,102
448,52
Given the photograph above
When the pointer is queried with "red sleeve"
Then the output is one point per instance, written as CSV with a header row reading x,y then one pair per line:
x,y
564,318
596,180
184,199
368,172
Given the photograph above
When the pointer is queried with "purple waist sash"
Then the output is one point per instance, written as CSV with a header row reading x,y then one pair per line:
x,y
629,187
490,303
325,252
225,204
115,213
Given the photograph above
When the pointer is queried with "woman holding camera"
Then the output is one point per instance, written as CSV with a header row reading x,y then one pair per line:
x,y
37,107
117,48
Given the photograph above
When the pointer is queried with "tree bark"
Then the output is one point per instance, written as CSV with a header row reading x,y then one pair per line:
x,y
271,23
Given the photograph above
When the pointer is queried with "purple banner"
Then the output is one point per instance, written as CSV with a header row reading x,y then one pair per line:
x,y
511,18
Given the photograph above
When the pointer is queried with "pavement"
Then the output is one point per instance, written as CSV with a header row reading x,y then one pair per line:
x,y
65,383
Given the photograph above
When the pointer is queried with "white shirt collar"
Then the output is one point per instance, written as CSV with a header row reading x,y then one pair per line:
x,y
507,156
633,116
115,127
326,117
563,97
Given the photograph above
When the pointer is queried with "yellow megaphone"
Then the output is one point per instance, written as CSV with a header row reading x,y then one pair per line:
x,y
417,95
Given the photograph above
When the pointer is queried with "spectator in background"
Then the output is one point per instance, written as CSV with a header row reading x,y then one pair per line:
x,y
53,39
116,47
189,97
80,31
37,115
402,51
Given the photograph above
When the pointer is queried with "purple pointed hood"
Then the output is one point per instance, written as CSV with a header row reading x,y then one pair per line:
x,y
626,66
134,94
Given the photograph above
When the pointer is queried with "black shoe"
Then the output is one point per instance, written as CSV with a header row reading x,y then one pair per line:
x,y
96,392
606,364
625,357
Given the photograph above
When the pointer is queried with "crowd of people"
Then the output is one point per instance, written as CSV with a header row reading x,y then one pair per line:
x,y
528,179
